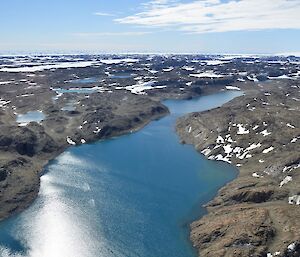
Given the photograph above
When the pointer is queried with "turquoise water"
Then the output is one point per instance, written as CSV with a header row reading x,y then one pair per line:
x,y
131,196
31,116
121,75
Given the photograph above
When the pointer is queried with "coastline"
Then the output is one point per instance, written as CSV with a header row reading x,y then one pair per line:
x,y
244,218
57,178
113,131
22,184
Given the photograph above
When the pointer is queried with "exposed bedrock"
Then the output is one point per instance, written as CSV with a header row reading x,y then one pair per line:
x,y
28,140
258,213
25,150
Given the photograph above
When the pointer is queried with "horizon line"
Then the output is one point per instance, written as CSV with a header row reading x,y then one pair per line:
x,y
61,53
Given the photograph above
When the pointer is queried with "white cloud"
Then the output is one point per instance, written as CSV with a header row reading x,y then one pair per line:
x,y
155,3
103,14
217,16
109,34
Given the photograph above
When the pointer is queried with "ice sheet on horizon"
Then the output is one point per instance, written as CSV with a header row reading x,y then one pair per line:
x,y
117,61
62,65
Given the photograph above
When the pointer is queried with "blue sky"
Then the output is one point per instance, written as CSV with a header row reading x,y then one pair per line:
x,y
186,26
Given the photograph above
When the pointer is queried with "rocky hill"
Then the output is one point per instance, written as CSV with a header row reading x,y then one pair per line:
x,y
258,213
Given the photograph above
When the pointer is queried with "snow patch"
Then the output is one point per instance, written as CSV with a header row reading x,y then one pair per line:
x,y
5,82
291,247
188,68
255,175
70,141
232,88
215,62
295,199
265,133
290,126
206,151
220,140
286,180
267,150
227,149
208,74
168,69
219,157
139,88
242,130
253,146
294,140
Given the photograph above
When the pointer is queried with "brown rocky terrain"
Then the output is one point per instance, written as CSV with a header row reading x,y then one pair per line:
x,y
96,98
258,213
25,150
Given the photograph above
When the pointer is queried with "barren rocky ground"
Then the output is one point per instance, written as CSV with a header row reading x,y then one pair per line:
x,y
258,213
89,98
26,149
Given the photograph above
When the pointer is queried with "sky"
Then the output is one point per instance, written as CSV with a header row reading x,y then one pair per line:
x,y
150,26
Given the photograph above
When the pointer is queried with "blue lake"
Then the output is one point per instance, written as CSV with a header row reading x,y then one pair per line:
x,y
31,116
121,75
131,196
84,90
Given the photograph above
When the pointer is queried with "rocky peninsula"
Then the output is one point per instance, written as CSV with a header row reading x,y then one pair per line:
x,y
258,213
25,150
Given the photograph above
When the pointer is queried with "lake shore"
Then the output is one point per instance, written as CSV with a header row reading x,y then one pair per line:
x,y
257,213
26,150
84,105
95,174
220,207
29,184
36,144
